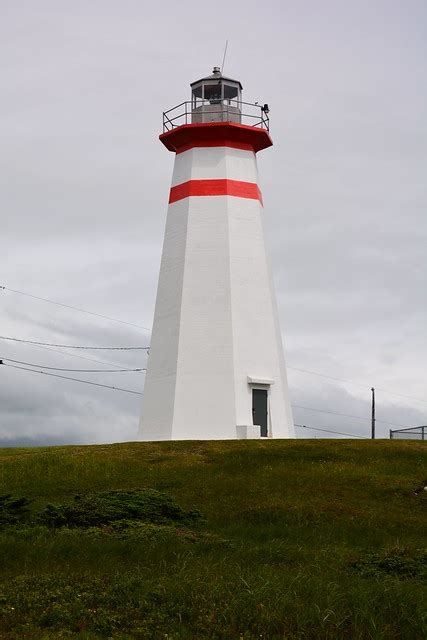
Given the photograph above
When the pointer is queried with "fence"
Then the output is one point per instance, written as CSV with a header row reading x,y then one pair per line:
x,y
412,433
247,113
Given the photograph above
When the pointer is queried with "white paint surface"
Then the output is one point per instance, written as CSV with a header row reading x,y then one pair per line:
x,y
212,163
215,322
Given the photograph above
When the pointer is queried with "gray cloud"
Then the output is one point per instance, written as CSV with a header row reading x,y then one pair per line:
x,y
84,183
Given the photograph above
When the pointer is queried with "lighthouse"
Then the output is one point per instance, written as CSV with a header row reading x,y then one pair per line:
x,y
216,368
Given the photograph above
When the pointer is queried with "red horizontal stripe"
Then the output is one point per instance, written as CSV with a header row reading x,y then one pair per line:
x,y
222,187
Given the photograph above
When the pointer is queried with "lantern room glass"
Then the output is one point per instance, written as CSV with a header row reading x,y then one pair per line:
x,y
215,92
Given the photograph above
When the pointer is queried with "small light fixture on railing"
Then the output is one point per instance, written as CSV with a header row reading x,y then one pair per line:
x,y
265,108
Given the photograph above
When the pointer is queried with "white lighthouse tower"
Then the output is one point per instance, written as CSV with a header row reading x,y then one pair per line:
x,y
216,368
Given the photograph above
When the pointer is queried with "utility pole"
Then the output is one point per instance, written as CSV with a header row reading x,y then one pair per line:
x,y
373,415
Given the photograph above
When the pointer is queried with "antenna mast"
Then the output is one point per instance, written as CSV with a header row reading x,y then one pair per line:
x,y
225,53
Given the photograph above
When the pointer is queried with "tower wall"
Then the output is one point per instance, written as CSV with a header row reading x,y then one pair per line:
x,y
216,333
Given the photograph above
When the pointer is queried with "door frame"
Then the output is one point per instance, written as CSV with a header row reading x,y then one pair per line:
x,y
263,384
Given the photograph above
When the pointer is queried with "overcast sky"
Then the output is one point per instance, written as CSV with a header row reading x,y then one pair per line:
x,y
84,184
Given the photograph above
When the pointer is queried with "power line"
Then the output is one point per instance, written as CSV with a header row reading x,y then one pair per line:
x,y
30,364
340,433
99,315
49,344
322,375
105,386
75,355
72,346
345,415
55,375
13,366
68,306
393,393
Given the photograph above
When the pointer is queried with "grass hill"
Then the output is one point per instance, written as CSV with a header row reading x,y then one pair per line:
x,y
220,540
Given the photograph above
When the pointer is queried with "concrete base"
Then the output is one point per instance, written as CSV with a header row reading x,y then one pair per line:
x,y
248,432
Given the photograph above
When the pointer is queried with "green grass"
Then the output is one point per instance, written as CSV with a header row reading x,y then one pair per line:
x,y
298,539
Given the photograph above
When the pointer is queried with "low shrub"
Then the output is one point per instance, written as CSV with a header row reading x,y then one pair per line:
x,y
109,507
13,510
398,561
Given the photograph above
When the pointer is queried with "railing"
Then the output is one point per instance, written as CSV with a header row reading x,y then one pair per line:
x,y
201,111
412,433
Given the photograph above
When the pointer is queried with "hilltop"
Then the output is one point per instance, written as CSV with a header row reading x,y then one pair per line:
x,y
220,540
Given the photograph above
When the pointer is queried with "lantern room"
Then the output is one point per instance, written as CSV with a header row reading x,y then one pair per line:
x,y
216,98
